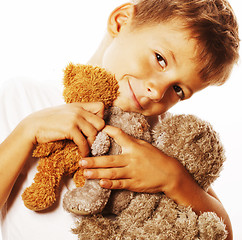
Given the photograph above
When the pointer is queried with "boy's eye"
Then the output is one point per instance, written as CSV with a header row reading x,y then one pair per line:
x,y
179,92
161,60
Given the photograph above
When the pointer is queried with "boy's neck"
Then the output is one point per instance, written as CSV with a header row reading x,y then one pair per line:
x,y
97,57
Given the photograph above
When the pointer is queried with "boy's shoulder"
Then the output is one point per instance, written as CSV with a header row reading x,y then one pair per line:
x,y
20,97
35,93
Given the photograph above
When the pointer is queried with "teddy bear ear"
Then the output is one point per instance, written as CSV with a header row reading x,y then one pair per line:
x,y
69,74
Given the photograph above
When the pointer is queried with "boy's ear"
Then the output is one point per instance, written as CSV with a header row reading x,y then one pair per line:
x,y
120,17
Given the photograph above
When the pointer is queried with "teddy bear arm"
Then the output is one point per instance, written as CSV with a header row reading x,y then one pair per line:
x,y
78,178
101,145
118,201
87,200
44,190
211,227
90,198
45,149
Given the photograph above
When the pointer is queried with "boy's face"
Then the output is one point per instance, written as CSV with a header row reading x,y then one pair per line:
x,y
154,65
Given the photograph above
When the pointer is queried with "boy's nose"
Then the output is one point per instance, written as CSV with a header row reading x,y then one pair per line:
x,y
155,93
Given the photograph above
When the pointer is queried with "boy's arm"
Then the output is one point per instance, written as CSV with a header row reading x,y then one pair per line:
x,y
143,168
188,193
13,153
79,122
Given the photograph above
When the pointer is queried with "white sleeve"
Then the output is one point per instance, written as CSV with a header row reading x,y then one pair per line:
x,y
19,98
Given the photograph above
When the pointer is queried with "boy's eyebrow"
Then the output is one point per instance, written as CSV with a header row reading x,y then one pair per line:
x,y
173,56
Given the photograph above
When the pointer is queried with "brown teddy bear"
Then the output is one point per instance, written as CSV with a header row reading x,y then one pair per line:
x,y
81,84
151,216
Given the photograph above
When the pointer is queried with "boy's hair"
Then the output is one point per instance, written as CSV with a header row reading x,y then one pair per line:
x,y
211,22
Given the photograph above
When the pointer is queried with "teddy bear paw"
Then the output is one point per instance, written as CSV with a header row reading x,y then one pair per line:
x,y
87,200
40,199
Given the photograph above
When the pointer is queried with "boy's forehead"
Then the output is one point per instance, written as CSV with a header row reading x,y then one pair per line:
x,y
168,30
176,24
174,38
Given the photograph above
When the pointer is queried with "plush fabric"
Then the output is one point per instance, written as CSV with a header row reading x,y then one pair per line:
x,y
187,138
60,158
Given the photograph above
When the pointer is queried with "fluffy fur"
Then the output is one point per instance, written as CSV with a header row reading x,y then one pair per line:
x,y
154,216
81,84
81,200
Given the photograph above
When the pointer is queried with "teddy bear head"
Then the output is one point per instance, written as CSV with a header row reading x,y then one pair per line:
x,y
86,83
194,143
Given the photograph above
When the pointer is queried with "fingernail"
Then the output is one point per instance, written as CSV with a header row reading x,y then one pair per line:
x,y
87,173
83,163
102,183
105,183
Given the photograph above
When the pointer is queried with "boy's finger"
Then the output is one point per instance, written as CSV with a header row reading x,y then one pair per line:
x,y
120,137
81,142
94,107
116,184
95,120
87,129
104,162
93,114
107,173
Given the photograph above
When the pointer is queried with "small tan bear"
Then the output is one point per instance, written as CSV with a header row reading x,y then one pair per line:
x,y
82,83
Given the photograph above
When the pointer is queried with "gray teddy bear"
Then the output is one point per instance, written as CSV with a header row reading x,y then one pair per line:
x,y
121,214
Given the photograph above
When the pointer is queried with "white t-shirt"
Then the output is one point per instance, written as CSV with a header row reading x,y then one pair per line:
x,y
17,100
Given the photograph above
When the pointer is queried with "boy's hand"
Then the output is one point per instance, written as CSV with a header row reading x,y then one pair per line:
x,y
79,122
141,167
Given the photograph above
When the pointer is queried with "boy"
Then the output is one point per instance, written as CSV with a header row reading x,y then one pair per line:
x,y
161,52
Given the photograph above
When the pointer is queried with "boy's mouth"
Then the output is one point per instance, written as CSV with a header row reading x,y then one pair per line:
x,y
136,102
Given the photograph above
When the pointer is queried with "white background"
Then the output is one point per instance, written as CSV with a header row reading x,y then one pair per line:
x,y
39,38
